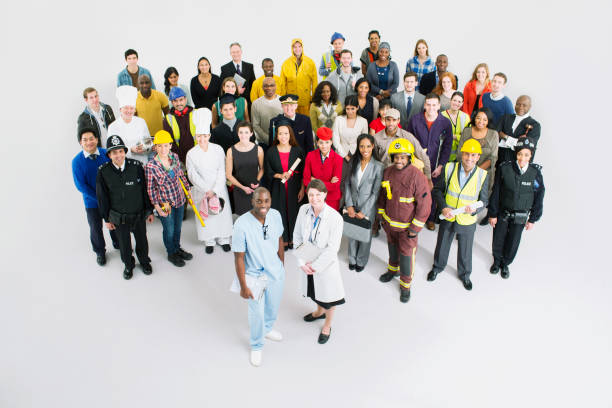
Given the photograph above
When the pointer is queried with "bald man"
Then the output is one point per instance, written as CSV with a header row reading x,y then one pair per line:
x,y
516,126
263,110
430,80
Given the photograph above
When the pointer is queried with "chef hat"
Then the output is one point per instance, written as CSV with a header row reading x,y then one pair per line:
x,y
202,118
126,94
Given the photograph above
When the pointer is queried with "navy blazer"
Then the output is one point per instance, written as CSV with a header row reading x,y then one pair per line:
x,y
302,129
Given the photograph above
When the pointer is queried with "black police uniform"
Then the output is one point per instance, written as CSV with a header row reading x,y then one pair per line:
x,y
516,199
123,201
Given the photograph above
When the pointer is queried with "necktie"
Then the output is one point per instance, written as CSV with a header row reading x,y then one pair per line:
x,y
409,105
93,156
238,69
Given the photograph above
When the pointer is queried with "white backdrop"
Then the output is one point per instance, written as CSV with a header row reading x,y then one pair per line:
x,y
553,51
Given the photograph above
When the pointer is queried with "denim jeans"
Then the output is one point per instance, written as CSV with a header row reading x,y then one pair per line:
x,y
262,314
172,229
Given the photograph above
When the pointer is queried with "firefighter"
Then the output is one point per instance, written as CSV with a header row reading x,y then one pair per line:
x,y
463,185
404,204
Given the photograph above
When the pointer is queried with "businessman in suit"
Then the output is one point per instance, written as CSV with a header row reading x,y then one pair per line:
x,y
408,102
516,126
242,68
430,80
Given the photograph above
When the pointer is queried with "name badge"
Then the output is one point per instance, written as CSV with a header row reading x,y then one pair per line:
x,y
129,183
526,183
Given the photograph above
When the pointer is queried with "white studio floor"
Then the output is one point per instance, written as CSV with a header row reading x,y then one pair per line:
x,y
179,338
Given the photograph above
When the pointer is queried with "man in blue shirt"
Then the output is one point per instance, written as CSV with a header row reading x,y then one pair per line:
x,y
84,170
257,242
495,100
129,75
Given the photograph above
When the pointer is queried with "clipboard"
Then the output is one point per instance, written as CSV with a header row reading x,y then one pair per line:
x,y
307,252
240,81
257,284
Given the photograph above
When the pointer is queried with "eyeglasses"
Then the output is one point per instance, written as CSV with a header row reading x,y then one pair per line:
x,y
265,231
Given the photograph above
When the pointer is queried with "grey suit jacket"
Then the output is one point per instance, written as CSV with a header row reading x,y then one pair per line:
x,y
364,195
398,100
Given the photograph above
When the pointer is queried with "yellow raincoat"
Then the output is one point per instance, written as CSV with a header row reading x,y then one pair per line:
x,y
301,80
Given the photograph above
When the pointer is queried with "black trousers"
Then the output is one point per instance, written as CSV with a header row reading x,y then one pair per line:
x,y
139,229
465,241
96,234
506,240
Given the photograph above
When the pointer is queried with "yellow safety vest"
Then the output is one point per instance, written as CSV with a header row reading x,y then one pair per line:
x,y
457,197
333,66
176,132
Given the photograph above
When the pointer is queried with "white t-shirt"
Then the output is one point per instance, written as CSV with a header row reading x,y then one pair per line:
x,y
132,134
101,125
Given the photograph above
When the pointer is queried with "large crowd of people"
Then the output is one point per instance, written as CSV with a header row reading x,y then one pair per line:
x,y
290,163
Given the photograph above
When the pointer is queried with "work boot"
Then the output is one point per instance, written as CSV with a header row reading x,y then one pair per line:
x,y
387,276
404,295
494,269
184,254
176,260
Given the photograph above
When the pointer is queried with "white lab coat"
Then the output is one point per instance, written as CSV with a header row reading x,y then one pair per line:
x,y
327,279
206,170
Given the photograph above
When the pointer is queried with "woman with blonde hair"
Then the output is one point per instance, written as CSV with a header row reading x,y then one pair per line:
x,y
229,86
475,88
446,88
421,63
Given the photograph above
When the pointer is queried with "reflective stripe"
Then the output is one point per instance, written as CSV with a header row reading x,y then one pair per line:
x,y
392,268
458,197
406,199
395,224
380,211
404,284
462,196
418,223
176,131
387,185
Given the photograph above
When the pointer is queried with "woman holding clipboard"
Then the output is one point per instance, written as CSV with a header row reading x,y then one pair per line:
x,y
284,164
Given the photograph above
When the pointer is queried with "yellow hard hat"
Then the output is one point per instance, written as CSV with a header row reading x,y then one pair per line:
x,y
161,137
401,145
471,146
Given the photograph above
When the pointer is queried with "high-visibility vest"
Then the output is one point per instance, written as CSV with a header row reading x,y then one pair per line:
x,y
176,131
462,121
457,197
333,66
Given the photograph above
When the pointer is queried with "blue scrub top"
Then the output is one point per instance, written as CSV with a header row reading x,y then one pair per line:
x,y
261,254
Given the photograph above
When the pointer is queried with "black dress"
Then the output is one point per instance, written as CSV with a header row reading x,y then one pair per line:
x,y
284,199
310,292
205,98
367,112
245,167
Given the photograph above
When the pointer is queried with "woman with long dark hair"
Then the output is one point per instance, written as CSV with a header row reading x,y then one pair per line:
x,y
286,187
205,86
325,106
171,79
360,195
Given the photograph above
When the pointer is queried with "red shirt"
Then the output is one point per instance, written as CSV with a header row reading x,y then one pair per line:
x,y
378,125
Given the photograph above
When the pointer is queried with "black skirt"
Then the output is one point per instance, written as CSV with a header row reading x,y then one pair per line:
x,y
311,294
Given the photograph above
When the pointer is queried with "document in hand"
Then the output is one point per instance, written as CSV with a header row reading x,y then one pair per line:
x,y
240,81
461,210
257,284
307,252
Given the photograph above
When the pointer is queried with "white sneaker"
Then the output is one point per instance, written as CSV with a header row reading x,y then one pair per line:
x,y
256,357
274,335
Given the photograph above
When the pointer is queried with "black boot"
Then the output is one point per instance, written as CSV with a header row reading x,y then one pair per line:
x,y
505,272
404,295
387,276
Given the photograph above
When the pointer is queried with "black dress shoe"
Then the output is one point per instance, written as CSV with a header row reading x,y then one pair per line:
x,y
127,273
310,318
505,272
359,268
494,269
286,248
184,254
210,249
404,296
226,247
101,259
324,337
387,276
467,284
146,268
351,267
176,260
431,276
290,246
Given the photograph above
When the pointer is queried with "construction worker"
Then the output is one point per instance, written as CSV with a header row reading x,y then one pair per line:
x,y
404,204
515,205
179,123
463,185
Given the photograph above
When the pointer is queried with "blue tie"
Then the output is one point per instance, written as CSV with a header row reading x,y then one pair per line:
x,y
409,106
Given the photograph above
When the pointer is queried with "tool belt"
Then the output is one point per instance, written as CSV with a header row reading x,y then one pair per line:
x,y
118,218
515,217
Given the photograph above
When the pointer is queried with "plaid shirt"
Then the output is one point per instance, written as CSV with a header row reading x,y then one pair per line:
x,y
161,187
413,66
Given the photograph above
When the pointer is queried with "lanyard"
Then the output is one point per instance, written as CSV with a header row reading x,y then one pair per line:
x,y
316,225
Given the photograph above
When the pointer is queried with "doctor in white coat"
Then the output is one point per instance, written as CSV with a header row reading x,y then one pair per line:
x,y
206,170
320,226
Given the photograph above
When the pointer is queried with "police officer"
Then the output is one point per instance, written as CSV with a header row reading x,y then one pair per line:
x,y
124,204
404,203
463,185
515,204
301,125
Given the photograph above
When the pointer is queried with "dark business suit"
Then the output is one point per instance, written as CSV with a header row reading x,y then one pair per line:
x,y
398,100
362,197
505,125
428,82
248,73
